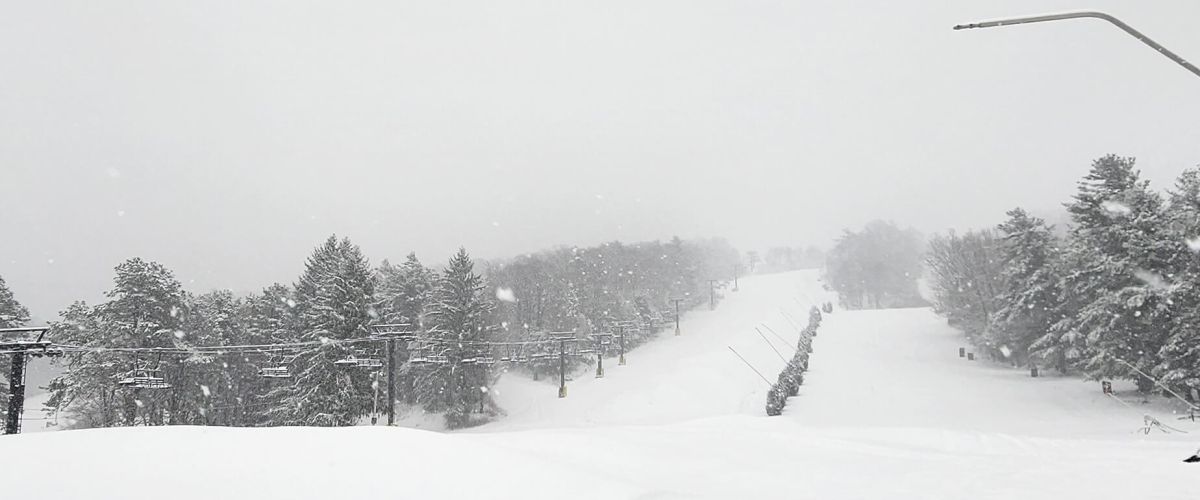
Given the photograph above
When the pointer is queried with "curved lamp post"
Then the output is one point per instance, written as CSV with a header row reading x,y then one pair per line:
x,y
1096,15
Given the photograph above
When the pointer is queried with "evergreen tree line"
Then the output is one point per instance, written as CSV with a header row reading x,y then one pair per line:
x,y
336,299
1118,291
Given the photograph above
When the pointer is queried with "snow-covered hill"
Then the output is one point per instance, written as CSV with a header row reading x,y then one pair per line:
x,y
888,411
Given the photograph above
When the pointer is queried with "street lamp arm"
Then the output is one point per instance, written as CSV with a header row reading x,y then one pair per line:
x,y
1096,15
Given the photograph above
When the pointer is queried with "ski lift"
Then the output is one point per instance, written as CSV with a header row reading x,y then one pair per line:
x,y
432,359
278,369
144,378
352,361
360,359
402,331
275,372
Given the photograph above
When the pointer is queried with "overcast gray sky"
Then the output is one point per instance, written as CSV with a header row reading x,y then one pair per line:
x,y
226,139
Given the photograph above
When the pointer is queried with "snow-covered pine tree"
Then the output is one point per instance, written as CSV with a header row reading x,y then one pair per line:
x,y
269,318
333,302
403,292
12,315
1180,354
1117,242
1029,299
402,295
457,320
216,389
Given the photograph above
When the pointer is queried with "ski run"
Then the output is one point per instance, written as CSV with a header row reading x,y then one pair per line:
x,y
887,410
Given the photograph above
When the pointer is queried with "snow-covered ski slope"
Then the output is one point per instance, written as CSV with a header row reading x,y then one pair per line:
x,y
888,410
680,378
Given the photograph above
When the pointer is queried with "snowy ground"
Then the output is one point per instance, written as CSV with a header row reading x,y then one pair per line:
x,y
888,410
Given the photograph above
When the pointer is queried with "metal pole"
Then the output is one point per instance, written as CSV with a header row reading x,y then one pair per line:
x,y
599,357
391,381
760,375
562,368
375,408
16,394
676,301
735,276
712,294
1088,14
621,359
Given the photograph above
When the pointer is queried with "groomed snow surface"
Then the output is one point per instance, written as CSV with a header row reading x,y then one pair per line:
x,y
888,410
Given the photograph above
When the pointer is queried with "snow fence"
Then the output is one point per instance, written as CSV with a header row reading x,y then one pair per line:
x,y
792,375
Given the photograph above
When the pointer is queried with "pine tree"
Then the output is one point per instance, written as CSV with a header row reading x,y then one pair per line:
x,y
1030,297
218,388
1119,285
458,322
333,303
402,295
269,318
1180,353
403,292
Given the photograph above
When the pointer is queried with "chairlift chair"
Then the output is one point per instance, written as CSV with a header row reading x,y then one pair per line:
x,y
275,372
142,378
347,361
369,363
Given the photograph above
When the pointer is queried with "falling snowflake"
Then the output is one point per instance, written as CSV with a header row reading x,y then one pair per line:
x,y
1193,243
1154,280
204,389
505,295
1115,207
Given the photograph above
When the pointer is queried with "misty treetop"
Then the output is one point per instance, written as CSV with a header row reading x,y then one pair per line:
x,y
876,267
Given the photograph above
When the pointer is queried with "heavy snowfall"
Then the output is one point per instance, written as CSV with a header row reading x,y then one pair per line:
x,y
631,249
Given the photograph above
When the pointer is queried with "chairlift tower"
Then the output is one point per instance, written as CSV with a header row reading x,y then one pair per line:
x,y
392,333
676,302
18,343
